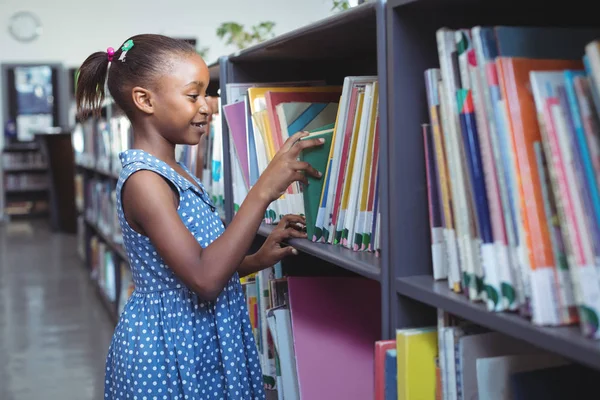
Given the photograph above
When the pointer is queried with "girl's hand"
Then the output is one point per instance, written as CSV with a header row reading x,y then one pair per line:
x,y
284,168
271,251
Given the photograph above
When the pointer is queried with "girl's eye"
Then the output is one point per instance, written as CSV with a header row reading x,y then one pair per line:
x,y
193,96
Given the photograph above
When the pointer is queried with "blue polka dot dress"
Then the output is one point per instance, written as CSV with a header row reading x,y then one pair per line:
x,y
169,343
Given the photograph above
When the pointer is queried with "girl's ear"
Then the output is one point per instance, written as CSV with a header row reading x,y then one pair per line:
x,y
142,98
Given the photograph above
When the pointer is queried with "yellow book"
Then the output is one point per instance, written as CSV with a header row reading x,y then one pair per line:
x,y
417,349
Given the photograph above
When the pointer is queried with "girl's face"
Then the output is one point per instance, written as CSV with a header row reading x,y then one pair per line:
x,y
180,107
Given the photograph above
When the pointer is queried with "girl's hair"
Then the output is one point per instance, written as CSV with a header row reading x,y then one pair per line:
x,y
148,58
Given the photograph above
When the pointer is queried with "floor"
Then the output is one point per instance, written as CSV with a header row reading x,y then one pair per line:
x,y
54,332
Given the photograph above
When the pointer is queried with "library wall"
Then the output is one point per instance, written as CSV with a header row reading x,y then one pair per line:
x,y
109,22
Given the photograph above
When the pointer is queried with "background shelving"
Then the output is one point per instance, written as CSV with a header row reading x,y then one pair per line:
x,y
25,180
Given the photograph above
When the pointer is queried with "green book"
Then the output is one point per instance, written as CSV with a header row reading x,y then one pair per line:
x,y
318,157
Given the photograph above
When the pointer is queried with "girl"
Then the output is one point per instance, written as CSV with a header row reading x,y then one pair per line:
x,y
185,332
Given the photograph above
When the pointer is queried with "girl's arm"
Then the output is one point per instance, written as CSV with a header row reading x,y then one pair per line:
x,y
150,205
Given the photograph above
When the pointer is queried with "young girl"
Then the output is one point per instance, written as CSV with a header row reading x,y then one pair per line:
x,y
185,332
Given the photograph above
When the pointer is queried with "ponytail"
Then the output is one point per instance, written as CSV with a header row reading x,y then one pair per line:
x,y
91,80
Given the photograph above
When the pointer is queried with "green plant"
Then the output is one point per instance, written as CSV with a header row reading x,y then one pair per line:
x,y
340,5
235,34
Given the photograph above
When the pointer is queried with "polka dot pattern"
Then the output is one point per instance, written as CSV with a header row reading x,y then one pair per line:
x,y
168,343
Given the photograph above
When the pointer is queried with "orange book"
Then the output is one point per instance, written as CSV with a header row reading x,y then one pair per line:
x,y
439,389
523,131
381,346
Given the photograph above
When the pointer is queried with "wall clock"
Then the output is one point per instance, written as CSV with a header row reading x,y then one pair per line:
x,y
25,26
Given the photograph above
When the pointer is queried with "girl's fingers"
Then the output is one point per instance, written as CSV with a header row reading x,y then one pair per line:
x,y
304,166
293,139
294,233
300,145
300,177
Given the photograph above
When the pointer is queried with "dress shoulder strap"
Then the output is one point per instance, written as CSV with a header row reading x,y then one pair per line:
x,y
135,160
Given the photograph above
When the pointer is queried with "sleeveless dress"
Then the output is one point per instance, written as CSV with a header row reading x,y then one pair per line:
x,y
169,343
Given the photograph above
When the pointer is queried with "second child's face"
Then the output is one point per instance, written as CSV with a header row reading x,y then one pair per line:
x,y
181,111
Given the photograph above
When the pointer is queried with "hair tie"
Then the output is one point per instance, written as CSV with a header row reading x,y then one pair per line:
x,y
110,53
126,47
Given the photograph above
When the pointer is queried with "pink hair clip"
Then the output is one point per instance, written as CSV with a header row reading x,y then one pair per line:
x,y
110,52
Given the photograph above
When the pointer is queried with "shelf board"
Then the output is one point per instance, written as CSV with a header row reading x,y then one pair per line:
x,y
25,168
31,214
346,34
29,190
117,248
21,147
98,171
362,263
566,341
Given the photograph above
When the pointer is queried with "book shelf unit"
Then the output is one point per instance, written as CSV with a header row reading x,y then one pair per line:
x,y
396,40
411,49
94,238
21,197
346,44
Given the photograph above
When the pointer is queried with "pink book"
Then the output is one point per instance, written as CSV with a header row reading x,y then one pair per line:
x,y
335,323
574,231
235,114
381,347
337,203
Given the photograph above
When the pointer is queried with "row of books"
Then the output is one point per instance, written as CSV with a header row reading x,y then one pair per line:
x,y
511,152
342,207
101,207
97,142
25,181
459,360
25,159
314,334
105,267
126,286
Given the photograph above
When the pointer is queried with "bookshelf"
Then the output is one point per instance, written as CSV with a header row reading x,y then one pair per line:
x,y
345,44
396,40
566,341
25,187
411,49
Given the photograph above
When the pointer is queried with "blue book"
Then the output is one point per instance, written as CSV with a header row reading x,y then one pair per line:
x,y
304,119
582,158
391,375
